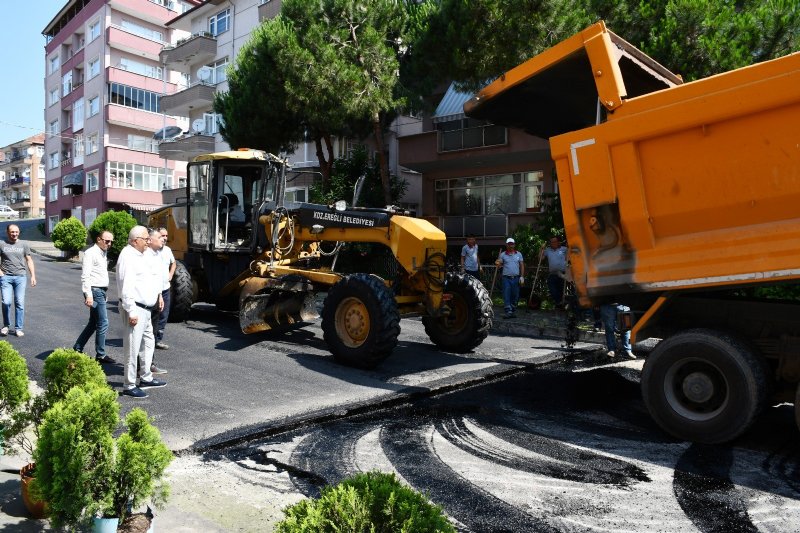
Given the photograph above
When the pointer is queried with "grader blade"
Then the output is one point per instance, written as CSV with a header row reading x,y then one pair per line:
x,y
281,302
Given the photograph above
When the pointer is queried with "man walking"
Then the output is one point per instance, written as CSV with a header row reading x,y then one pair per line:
x,y
169,265
94,284
14,256
139,286
154,257
513,276
557,268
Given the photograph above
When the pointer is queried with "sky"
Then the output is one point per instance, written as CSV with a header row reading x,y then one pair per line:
x,y
22,46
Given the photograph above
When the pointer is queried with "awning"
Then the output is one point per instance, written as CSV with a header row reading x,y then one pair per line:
x,y
452,105
142,207
74,179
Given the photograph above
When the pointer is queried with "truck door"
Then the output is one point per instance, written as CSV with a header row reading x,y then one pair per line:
x,y
199,205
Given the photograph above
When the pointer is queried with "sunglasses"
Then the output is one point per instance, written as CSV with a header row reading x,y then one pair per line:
x,y
107,241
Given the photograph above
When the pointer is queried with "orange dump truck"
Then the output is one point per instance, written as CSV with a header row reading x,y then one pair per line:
x,y
677,198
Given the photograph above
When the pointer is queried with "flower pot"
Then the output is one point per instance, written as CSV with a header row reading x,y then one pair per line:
x,y
105,525
36,508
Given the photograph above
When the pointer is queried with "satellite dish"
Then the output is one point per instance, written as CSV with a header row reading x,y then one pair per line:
x,y
198,125
31,150
204,73
168,133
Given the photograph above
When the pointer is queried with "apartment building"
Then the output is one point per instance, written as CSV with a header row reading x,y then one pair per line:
x,y
22,176
478,178
103,88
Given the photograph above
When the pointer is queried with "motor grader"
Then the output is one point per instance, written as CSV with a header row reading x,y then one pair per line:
x,y
240,246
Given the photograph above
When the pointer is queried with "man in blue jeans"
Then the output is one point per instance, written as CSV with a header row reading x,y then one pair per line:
x,y
513,275
608,314
15,255
94,285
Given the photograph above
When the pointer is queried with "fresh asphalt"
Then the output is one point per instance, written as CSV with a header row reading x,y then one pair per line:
x,y
225,388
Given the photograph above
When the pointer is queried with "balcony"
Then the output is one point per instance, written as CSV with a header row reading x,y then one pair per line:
x,y
198,49
134,44
155,11
18,180
130,117
187,147
181,103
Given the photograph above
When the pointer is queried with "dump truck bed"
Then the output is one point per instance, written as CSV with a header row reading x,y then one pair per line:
x,y
664,185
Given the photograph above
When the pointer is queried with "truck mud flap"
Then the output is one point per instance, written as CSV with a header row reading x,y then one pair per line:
x,y
282,302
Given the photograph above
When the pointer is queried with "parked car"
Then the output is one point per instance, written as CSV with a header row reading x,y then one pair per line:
x,y
7,212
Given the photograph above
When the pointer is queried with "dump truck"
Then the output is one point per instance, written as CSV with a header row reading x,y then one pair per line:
x,y
242,247
680,200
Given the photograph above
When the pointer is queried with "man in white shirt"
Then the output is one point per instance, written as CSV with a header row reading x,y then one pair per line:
x,y
139,286
94,285
169,265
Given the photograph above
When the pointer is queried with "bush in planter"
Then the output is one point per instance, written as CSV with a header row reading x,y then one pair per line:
x,y
372,501
69,235
83,472
13,390
64,369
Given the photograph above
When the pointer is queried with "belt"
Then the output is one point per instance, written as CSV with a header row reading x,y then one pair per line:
x,y
148,307
101,288
510,276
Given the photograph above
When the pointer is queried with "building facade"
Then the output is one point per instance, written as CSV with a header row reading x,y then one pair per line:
x,y
103,88
22,177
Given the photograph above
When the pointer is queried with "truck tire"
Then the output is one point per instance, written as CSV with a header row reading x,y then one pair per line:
x,y
470,319
704,386
360,321
797,406
182,296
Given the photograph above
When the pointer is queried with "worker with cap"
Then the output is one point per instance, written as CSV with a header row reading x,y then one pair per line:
x,y
557,267
513,276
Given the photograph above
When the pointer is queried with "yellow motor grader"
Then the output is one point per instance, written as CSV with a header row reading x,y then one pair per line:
x,y
240,246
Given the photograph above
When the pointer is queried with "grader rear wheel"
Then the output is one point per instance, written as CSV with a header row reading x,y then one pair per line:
x,y
183,294
360,321
470,317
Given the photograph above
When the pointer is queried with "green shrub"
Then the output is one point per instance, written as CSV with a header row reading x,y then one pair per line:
x,y
69,235
119,223
370,502
13,391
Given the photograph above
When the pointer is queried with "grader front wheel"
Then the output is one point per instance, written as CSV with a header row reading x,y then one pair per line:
x,y
470,317
360,321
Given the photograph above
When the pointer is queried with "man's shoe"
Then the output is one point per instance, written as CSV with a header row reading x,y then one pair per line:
x,y
162,346
135,392
629,354
508,315
152,383
106,360
155,370
20,333
611,353
4,331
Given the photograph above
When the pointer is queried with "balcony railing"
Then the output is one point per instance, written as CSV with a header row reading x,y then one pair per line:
x,y
16,180
472,138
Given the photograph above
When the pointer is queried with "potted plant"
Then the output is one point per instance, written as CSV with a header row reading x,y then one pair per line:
x,y
84,473
63,369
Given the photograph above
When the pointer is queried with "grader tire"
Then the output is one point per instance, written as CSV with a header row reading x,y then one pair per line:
x,y
797,406
470,318
360,321
182,296
704,386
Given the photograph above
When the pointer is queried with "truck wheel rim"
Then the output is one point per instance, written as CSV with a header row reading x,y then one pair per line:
x,y
352,322
457,318
696,389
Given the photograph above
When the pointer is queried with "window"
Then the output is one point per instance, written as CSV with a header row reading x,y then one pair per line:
x,y
469,133
53,193
144,144
489,195
77,115
55,64
66,84
80,148
53,96
89,216
52,128
51,222
94,30
151,71
218,68
54,161
133,97
41,192
220,22
142,31
93,69
92,143
132,176
94,106
92,182
296,194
